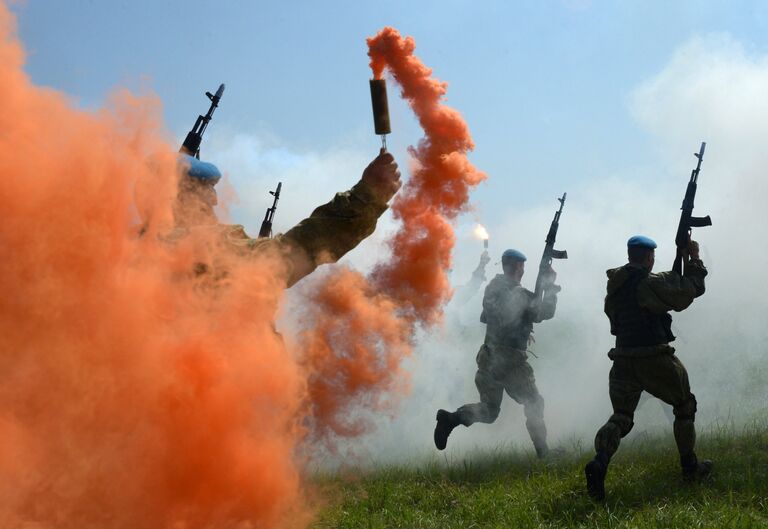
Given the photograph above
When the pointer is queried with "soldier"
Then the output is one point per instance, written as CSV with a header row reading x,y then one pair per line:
x,y
638,304
509,311
331,231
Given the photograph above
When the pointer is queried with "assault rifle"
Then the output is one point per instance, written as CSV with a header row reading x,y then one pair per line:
x,y
549,253
266,225
191,143
687,220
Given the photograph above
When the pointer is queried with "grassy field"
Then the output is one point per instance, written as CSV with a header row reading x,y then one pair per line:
x,y
516,491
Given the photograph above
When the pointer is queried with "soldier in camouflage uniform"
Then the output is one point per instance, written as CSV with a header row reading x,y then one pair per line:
x,y
638,304
509,311
331,231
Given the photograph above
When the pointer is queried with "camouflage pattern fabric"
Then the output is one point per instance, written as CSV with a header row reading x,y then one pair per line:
x,y
509,310
331,231
664,377
506,370
654,369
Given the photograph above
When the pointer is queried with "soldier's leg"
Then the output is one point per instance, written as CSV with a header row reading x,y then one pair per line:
x,y
666,378
624,390
487,410
521,386
491,393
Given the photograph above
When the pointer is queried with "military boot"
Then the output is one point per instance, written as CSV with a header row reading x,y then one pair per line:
x,y
693,469
595,472
446,422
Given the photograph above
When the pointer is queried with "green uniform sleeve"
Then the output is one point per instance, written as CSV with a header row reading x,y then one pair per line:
x,y
546,310
670,291
331,231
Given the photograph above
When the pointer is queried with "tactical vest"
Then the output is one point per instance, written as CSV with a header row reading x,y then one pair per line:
x,y
514,335
633,325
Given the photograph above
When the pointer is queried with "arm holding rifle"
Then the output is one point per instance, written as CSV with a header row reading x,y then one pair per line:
x,y
687,220
668,291
545,293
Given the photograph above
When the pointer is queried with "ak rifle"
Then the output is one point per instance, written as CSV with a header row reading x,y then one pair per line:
x,y
687,220
266,225
194,137
549,254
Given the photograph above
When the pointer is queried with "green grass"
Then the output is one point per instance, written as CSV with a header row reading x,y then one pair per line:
x,y
514,490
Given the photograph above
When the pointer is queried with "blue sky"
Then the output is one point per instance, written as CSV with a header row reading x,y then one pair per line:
x,y
544,86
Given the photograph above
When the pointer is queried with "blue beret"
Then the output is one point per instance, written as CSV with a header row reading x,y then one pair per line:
x,y
513,255
641,241
204,172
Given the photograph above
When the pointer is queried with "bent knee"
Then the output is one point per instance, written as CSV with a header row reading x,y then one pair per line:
x,y
623,423
687,410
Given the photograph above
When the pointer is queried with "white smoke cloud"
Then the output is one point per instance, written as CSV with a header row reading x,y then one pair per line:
x,y
710,90
713,90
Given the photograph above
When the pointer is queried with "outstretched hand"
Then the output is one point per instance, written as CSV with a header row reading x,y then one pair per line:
x,y
382,176
485,258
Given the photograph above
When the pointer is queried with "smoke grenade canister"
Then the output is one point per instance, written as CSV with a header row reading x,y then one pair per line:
x,y
380,106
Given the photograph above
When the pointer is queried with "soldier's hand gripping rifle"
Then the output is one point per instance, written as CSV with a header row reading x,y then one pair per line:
x,y
545,266
266,225
191,143
687,220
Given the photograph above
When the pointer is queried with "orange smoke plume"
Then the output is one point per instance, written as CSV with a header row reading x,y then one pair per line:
x,y
437,191
353,352
132,393
360,331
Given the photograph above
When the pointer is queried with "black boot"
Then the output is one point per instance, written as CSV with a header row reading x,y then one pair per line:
x,y
693,469
595,472
446,422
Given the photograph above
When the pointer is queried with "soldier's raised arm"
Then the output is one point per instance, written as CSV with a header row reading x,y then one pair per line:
x,y
545,309
671,291
335,228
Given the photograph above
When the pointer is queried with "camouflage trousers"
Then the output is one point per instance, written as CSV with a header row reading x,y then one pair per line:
x,y
663,376
506,370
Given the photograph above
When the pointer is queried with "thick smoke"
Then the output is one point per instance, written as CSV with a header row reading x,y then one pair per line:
x,y
132,393
357,330
710,90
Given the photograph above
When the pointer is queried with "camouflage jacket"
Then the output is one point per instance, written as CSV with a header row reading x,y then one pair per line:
x,y
331,231
510,310
658,294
